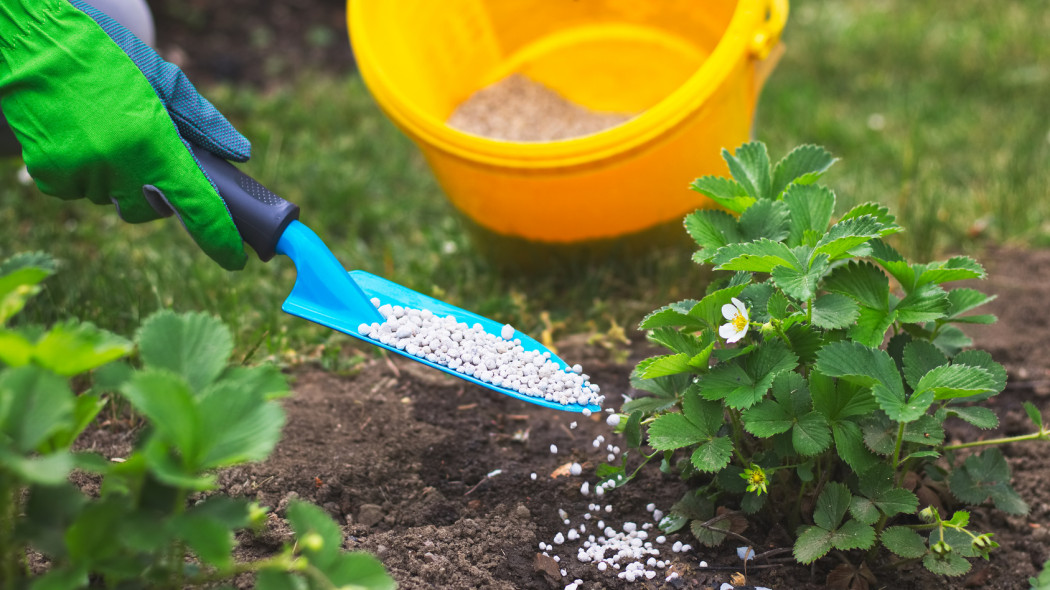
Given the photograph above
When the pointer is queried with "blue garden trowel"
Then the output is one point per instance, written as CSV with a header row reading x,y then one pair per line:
x,y
324,292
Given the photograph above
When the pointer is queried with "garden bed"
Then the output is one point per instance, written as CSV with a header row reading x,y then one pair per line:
x,y
434,475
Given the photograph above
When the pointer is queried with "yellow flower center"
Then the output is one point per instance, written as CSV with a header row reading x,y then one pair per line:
x,y
739,322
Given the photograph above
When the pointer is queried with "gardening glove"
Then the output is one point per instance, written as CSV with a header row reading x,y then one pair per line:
x,y
100,115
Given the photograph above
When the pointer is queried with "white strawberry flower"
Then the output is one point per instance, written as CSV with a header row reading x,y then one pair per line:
x,y
736,313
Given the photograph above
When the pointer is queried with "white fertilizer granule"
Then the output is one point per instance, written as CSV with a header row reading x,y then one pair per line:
x,y
471,351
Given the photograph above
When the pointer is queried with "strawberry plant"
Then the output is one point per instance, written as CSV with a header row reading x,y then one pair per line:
x,y
153,521
813,380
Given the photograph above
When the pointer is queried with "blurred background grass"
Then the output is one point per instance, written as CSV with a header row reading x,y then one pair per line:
x,y
941,111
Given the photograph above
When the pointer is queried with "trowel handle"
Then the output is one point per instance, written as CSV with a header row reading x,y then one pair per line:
x,y
260,215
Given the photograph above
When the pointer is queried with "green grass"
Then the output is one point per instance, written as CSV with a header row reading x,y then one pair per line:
x,y
942,112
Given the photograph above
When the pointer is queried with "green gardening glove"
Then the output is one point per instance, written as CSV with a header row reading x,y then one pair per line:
x,y
100,115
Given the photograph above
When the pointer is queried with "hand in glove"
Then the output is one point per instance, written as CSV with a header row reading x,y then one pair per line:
x,y
100,115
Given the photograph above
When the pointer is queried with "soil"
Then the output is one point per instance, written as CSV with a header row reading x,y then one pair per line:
x,y
434,475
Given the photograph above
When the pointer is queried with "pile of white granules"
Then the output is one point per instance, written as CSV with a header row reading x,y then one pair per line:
x,y
470,350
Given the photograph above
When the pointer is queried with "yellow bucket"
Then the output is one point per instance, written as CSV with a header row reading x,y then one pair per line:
x,y
692,70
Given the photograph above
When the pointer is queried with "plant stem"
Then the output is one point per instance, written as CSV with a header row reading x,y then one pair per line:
x,y
1043,434
897,447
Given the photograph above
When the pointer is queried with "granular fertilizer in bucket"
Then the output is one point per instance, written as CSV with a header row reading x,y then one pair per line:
x,y
519,109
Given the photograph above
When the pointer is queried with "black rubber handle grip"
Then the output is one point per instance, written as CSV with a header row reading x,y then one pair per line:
x,y
260,215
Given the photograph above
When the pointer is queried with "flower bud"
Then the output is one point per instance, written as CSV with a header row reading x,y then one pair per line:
x,y
927,514
312,542
941,549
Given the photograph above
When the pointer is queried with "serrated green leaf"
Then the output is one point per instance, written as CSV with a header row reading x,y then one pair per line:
x,y
193,345
853,535
864,510
711,456
811,434
649,404
85,407
243,426
860,364
902,410
955,381
711,229
962,300
777,306
926,303
673,431
48,470
1034,415
811,544
73,348
984,360
880,433
759,256
862,281
805,342
358,569
673,315
681,341
743,383
756,297
903,542
880,212
802,285
833,311
919,358
210,540
34,405
707,416
749,166
951,340
986,475
764,220
767,418
661,386
847,235
665,365
980,417
169,404
892,261
839,400
927,430
725,191
709,535
15,349
811,207
951,564
802,166
16,290
307,519
957,268
849,444
709,309
831,506
871,326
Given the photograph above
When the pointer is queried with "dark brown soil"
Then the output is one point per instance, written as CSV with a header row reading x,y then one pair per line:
x,y
433,475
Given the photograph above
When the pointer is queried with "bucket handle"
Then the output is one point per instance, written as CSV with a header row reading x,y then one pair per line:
x,y
768,34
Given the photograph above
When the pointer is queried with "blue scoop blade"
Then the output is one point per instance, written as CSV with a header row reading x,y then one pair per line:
x,y
326,294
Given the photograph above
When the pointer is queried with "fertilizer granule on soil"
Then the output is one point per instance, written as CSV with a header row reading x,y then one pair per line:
x,y
519,109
